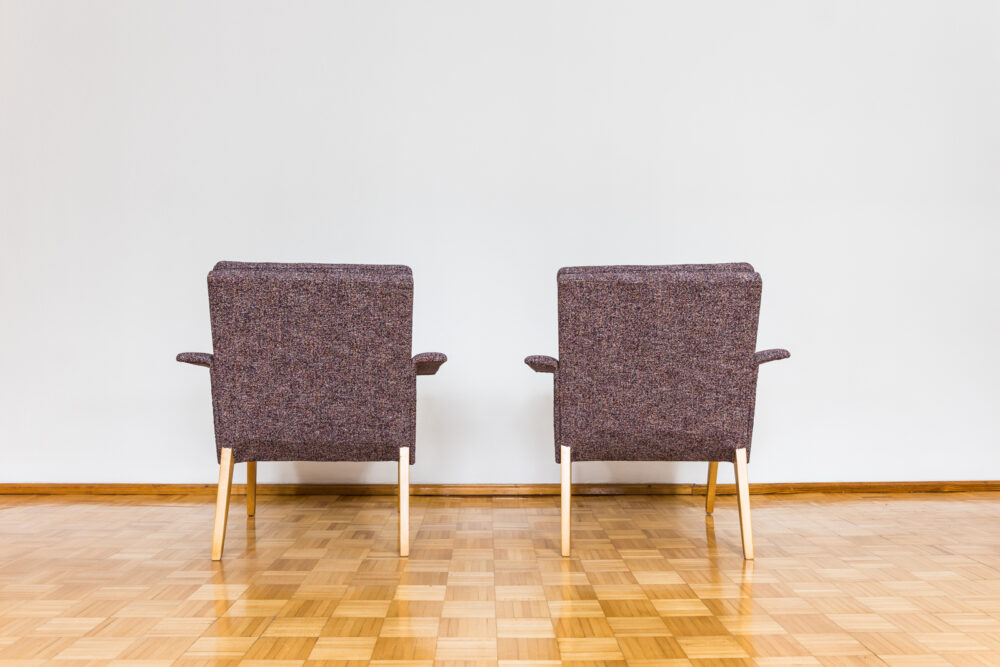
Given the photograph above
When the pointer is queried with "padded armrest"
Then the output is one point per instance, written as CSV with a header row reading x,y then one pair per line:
x,y
542,364
765,356
428,363
196,358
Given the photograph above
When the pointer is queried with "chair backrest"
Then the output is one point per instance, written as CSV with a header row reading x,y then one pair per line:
x,y
656,362
312,361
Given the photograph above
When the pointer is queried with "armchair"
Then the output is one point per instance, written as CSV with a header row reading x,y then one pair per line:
x,y
656,363
311,362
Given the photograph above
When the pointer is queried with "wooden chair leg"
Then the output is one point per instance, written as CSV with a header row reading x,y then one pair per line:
x,y
713,470
222,502
566,487
251,488
404,501
743,501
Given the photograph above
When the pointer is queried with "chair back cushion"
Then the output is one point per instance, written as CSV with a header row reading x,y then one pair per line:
x,y
656,363
312,361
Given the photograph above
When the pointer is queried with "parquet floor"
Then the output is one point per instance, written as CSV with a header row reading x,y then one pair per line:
x,y
838,580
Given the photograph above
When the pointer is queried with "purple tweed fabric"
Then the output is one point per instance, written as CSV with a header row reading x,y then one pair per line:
x,y
656,363
196,358
643,269
312,362
428,363
765,356
542,364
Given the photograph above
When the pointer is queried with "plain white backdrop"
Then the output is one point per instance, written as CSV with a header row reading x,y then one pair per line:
x,y
850,150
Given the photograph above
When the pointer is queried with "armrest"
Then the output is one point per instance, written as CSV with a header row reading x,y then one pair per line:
x,y
196,358
428,363
765,356
542,364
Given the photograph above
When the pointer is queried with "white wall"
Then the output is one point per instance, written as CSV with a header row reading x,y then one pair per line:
x,y
847,148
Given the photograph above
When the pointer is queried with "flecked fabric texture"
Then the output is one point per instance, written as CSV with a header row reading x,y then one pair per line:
x,y
765,356
428,363
656,363
542,364
196,358
312,362
642,269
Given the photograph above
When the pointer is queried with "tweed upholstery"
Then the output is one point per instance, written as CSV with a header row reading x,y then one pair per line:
x,y
196,358
656,363
638,269
542,364
428,363
312,362
765,356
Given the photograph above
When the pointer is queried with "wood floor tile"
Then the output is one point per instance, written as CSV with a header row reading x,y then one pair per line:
x,y
589,648
342,648
95,649
157,648
466,648
406,626
291,626
284,648
909,580
524,627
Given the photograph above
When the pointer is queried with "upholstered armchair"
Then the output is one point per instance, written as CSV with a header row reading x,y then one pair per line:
x,y
657,363
311,362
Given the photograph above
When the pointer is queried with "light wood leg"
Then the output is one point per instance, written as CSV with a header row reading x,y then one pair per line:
x,y
713,470
743,501
404,501
222,502
566,486
251,488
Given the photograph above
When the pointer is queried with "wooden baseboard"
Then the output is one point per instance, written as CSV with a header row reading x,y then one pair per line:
x,y
500,489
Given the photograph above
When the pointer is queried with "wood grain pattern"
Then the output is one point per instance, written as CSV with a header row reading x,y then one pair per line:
x,y
711,487
565,497
743,501
223,493
404,501
251,487
839,579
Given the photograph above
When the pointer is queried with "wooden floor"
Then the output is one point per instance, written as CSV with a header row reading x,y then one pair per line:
x,y
839,580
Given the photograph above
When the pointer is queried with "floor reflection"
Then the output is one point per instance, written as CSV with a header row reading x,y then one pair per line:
x,y
740,618
652,581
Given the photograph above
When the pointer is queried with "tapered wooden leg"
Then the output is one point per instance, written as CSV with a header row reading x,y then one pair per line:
x,y
222,502
713,470
404,501
743,501
251,488
566,486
